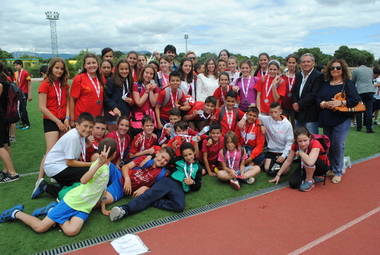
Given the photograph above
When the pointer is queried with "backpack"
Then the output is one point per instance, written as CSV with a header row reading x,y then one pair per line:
x,y
168,91
11,114
324,140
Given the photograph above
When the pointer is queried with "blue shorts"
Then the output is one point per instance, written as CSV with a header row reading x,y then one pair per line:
x,y
259,159
115,186
62,213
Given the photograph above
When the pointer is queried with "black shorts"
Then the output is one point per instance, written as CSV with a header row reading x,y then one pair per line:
x,y
50,126
4,133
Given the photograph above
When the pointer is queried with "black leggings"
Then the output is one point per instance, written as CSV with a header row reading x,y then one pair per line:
x,y
299,174
67,177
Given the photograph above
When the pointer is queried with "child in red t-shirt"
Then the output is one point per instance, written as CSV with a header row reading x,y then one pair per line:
x,y
145,93
251,137
98,133
87,90
228,116
145,142
169,98
52,100
270,88
232,158
182,130
211,147
168,131
23,81
201,113
136,177
314,161
221,92
120,135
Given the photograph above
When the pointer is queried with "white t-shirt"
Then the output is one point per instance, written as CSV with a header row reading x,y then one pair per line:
x,y
206,86
69,146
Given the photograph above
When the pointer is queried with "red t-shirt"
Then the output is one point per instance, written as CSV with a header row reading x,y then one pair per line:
x,y
143,177
251,136
146,107
140,143
314,144
213,149
266,97
22,78
229,115
165,109
220,94
287,99
176,143
121,144
53,92
86,97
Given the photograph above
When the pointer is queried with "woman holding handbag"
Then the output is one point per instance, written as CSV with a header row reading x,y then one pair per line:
x,y
335,123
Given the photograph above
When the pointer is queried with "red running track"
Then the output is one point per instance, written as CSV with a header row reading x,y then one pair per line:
x,y
280,222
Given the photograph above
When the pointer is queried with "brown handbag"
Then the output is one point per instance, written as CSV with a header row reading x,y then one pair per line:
x,y
360,107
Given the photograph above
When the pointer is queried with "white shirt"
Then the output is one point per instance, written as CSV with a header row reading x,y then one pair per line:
x,y
69,146
304,80
279,134
206,86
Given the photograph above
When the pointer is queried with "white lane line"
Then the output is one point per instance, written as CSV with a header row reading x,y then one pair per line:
x,y
334,232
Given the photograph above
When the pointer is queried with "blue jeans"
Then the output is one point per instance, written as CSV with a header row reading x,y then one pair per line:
x,y
337,137
165,194
311,126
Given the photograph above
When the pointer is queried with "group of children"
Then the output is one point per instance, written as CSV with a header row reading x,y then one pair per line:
x,y
153,140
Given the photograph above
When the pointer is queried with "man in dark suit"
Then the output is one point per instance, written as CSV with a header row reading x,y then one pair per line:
x,y
304,91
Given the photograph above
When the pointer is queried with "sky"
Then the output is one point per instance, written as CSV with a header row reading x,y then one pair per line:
x,y
248,27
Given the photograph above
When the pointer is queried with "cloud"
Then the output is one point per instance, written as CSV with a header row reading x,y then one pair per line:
x,y
247,26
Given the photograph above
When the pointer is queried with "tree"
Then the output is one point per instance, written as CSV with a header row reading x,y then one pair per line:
x,y
354,56
4,54
117,54
205,56
320,57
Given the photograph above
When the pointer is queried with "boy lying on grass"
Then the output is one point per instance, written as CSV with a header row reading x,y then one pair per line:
x,y
73,210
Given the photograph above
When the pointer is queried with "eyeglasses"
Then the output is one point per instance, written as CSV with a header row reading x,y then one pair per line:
x,y
335,68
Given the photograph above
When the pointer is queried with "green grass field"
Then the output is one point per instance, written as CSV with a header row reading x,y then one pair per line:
x,y
28,150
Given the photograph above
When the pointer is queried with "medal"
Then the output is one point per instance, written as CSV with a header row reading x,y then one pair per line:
x,y
267,90
58,93
266,100
231,161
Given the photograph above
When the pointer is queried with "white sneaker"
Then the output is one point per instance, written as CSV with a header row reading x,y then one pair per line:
x,y
116,213
250,180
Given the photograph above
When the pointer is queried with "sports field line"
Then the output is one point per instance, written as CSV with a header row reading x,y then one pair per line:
x,y
334,232
27,174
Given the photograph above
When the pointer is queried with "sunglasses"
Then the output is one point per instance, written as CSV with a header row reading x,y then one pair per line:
x,y
335,68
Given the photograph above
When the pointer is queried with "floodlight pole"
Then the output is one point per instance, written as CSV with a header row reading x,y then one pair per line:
x,y
53,17
186,37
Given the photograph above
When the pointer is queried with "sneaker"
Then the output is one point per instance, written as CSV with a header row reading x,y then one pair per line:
x,y
235,184
307,186
250,180
330,173
318,179
117,213
9,178
39,188
25,127
9,215
12,139
43,211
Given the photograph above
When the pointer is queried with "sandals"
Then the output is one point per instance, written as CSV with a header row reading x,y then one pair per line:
x,y
336,179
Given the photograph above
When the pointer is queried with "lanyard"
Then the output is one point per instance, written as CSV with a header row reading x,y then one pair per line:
x,y
246,139
143,141
164,79
267,90
230,162
245,88
58,93
221,92
83,148
230,117
187,137
190,172
96,86
120,145
125,85
203,116
19,77
290,81
174,100
263,73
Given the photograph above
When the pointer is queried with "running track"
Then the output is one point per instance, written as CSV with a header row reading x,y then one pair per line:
x,y
331,219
